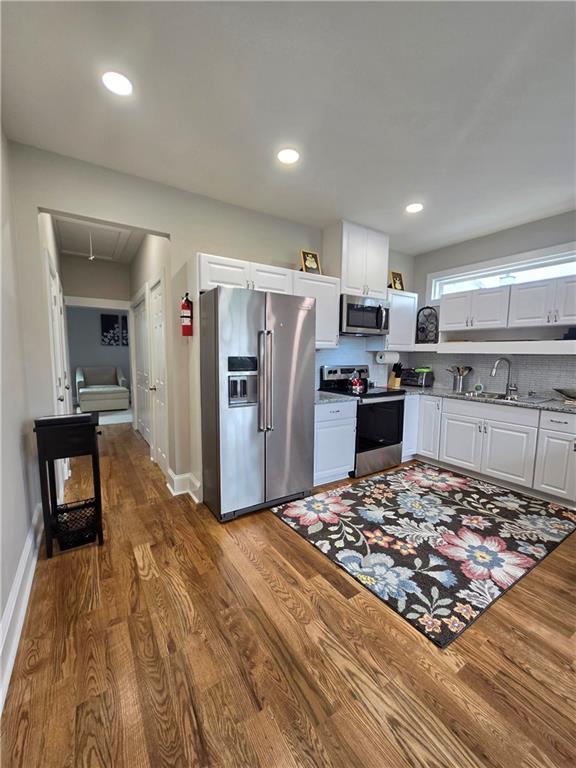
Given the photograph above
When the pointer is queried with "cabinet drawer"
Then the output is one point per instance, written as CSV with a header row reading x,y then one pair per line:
x,y
560,422
335,411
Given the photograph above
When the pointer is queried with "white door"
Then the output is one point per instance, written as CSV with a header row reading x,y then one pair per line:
x,y
565,301
266,278
326,291
509,452
403,308
353,259
461,441
142,364
410,430
377,264
219,270
158,376
532,304
455,311
489,307
429,426
556,464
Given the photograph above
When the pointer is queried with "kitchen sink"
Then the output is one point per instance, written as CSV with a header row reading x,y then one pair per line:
x,y
488,396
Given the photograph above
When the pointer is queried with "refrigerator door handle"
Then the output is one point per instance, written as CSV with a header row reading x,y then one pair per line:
x,y
269,380
262,400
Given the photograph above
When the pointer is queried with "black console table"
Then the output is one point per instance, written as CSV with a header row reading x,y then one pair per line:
x,y
62,437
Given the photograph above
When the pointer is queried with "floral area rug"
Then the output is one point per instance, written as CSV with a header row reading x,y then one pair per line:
x,y
437,547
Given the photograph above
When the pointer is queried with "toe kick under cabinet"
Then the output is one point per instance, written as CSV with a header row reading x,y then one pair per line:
x,y
496,440
334,441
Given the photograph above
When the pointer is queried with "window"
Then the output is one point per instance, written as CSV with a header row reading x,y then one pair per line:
x,y
524,268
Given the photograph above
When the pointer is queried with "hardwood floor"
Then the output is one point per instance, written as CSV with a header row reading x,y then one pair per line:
x,y
183,642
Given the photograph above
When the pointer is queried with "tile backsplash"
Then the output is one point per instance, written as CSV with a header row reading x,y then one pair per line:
x,y
351,351
540,373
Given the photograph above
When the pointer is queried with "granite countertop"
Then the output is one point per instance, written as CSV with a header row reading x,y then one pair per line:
x,y
551,403
330,397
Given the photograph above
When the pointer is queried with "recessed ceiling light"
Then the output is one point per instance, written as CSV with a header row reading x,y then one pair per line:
x,y
288,156
414,208
117,83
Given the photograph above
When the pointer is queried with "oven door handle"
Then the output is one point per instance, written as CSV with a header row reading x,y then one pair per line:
x,y
370,400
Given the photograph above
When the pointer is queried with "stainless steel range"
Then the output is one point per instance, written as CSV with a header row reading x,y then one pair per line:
x,y
380,416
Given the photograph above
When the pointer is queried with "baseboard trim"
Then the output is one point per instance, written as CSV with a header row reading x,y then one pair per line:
x,y
14,614
195,489
178,484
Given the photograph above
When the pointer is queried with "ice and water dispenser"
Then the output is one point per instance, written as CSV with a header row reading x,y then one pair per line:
x,y
242,380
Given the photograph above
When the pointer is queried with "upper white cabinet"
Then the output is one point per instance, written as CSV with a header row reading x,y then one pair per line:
x,y
363,257
487,308
545,302
403,307
219,270
326,291
264,277
429,417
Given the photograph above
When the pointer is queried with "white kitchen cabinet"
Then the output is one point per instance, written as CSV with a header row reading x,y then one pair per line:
x,y
486,308
410,430
565,301
429,421
334,441
509,451
264,277
403,309
220,270
531,304
544,302
326,291
555,471
489,307
363,257
461,441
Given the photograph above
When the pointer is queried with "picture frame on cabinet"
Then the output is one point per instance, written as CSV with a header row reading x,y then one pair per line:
x,y
396,281
310,262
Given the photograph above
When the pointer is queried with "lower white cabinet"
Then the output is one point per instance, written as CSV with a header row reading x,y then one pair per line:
x,y
410,430
334,441
555,471
429,417
326,291
461,441
509,451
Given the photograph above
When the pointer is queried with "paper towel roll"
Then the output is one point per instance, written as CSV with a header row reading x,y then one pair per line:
x,y
387,358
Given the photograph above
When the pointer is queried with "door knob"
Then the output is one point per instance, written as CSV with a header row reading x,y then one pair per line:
x,y
67,386
61,399
152,389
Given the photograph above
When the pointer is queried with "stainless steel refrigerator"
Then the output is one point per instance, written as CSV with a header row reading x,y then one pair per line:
x,y
257,391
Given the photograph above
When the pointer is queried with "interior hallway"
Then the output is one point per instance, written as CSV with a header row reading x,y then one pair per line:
x,y
182,642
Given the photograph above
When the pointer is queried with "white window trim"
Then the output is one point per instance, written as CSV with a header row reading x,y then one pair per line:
x,y
540,255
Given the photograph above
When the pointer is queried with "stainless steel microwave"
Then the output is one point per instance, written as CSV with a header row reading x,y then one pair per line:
x,y
364,316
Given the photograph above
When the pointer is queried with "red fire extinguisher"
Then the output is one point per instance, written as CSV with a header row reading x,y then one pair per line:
x,y
186,316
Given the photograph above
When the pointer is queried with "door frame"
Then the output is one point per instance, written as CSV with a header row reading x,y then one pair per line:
x,y
139,296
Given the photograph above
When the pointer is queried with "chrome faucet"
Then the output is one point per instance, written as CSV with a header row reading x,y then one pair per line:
x,y
510,388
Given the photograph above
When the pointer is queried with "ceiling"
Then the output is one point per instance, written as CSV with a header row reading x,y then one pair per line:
x,y
109,242
466,107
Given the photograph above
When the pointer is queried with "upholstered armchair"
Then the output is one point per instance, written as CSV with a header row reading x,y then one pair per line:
x,y
102,388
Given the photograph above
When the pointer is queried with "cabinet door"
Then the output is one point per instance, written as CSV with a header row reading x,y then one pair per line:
x,y
556,464
410,430
266,278
455,311
565,303
402,319
430,411
489,308
377,264
219,270
532,304
334,450
509,452
326,291
353,259
461,441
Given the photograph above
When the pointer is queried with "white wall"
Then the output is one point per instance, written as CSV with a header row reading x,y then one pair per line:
x,y
528,237
94,279
84,345
404,263
150,260
194,223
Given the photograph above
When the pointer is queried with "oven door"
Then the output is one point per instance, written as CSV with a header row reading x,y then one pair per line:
x,y
363,316
379,434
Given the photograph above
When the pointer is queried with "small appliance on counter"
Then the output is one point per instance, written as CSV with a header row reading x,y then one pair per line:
x,y
417,377
379,420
